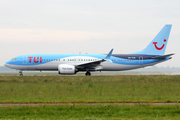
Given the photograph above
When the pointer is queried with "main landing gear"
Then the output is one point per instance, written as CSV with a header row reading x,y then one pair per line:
x,y
88,73
20,73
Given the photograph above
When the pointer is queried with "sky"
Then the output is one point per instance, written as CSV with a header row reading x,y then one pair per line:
x,y
86,26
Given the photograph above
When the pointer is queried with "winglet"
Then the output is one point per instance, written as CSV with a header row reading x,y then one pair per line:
x,y
107,58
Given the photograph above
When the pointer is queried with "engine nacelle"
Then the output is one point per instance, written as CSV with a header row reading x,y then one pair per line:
x,y
66,69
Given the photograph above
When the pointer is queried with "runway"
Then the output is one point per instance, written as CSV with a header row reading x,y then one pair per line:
x,y
52,104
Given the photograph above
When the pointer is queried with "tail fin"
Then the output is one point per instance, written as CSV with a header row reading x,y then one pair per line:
x,y
158,45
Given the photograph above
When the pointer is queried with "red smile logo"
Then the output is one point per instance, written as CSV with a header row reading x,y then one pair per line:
x,y
158,47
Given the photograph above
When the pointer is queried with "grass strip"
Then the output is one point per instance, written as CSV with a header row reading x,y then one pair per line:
x,y
90,112
94,89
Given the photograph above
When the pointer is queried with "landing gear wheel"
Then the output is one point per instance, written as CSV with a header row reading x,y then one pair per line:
x,y
88,73
20,73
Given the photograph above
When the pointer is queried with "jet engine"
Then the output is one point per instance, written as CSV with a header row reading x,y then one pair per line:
x,y
66,69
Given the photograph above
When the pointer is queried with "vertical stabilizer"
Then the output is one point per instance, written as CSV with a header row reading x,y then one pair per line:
x,y
158,45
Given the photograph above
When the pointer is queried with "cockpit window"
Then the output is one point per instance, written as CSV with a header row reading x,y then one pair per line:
x,y
14,59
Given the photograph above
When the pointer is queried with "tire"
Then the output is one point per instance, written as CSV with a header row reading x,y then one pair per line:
x,y
88,73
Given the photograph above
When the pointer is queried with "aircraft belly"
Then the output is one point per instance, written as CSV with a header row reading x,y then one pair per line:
x,y
107,66
116,67
46,66
104,66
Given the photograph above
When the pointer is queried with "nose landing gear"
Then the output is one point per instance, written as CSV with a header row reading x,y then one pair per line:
x,y
88,73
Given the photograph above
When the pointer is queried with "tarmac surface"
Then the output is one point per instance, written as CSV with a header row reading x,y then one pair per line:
x,y
39,104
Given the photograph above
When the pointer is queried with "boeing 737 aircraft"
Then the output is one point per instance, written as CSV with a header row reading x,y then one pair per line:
x,y
69,64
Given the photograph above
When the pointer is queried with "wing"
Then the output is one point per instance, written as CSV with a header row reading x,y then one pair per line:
x,y
95,65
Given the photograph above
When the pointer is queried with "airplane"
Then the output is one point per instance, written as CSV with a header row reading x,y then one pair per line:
x,y
70,64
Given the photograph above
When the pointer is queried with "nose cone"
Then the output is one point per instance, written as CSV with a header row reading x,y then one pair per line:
x,y
7,64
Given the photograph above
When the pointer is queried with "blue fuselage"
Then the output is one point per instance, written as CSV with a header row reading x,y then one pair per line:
x,y
51,61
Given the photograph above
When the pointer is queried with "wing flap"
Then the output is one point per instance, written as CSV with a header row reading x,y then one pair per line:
x,y
95,64
90,64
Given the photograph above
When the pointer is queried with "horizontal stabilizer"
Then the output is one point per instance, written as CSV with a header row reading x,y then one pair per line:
x,y
163,56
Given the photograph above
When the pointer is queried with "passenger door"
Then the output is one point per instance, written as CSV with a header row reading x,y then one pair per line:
x,y
140,60
24,61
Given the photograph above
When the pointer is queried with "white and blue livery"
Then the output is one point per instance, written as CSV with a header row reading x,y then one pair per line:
x,y
70,64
